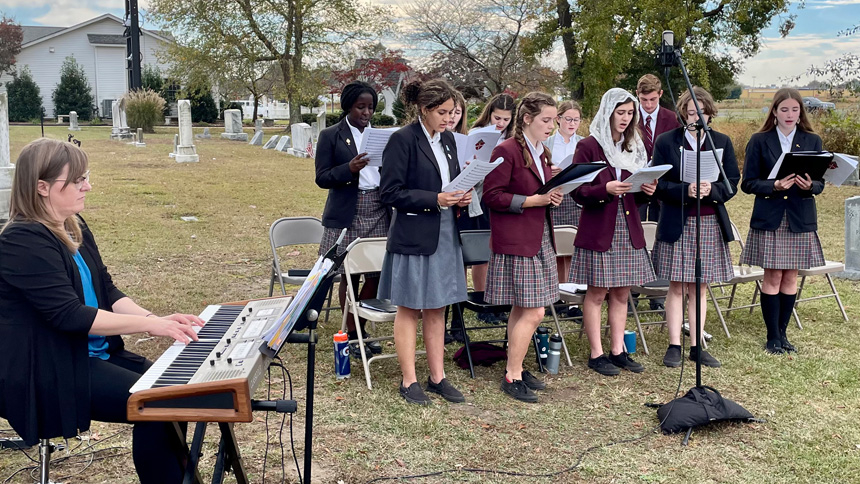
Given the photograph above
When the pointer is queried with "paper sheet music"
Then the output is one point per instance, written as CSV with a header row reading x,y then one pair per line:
x,y
478,144
710,170
472,175
567,161
572,288
646,175
840,169
277,334
778,165
576,182
373,143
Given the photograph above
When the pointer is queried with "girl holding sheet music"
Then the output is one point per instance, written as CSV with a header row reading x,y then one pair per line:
x,y
353,190
498,112
783,233
423,268
522,265
563,144
675,247
610,256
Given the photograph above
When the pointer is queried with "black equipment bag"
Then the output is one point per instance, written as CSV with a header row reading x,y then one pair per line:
x,y
700,406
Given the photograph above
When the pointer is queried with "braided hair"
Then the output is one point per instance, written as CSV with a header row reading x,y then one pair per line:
x,y
351,92
532,104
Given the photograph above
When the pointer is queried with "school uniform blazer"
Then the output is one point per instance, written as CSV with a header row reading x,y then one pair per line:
x,y
335,149
762,152
597,222
515,230
666,121
410,183
44,361
674,193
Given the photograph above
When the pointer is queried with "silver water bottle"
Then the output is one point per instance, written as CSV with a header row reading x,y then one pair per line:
x,y
554,354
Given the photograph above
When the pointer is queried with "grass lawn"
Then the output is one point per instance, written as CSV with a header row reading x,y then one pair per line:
x,y
810,400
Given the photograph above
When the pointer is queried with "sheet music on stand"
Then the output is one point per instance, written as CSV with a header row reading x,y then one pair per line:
x,y
277,335
710,170
373,143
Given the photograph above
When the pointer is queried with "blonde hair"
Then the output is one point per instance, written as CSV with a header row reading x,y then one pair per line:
x,y
44,159
647,84
532,104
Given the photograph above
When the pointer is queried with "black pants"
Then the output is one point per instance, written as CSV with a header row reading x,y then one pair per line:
x,y
156,447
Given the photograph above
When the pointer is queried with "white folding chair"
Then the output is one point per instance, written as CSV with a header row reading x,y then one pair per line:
x,y
288,231
564,237
828,268
364,256
742,274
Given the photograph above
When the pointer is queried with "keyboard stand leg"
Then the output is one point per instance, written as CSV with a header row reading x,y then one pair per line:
x,y
191,476
228,456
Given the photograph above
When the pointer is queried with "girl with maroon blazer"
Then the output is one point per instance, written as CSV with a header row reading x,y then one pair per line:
x,y
522,266
609,249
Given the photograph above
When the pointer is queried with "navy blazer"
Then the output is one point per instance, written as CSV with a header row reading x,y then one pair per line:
x,y
770,205
513,231
335,149
410,183
44,362
675,194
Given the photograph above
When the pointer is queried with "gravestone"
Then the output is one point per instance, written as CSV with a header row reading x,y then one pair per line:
x,y
7,169
283,144
268,122
233,126
257,139
186,152
320,123
258,125
271,143
302,145
205,135
119,131
852,239
138,143
175,146
73,121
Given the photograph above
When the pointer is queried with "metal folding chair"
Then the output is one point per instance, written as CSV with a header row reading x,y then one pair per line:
x,y
743,274
826,270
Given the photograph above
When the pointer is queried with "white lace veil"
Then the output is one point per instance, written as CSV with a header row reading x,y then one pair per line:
x,y
601,129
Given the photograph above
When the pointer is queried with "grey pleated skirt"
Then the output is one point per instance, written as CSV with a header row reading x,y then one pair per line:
x,y
427,281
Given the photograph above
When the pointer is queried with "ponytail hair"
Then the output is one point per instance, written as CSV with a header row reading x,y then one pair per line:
x,y
424,95
532,104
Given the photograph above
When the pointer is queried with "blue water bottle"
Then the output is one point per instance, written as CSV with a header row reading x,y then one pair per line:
x,y
341,355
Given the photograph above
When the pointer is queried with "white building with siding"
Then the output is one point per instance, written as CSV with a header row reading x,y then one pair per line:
x,y
97,44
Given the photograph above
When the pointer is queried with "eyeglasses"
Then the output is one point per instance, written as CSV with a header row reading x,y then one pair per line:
x,y
79,183
569,120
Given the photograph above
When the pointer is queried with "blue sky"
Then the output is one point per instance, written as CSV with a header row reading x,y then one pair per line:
x,y
813,40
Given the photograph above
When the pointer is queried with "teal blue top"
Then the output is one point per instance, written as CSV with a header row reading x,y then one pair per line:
x,y
97,345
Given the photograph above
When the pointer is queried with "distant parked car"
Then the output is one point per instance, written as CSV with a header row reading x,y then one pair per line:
x,y
816,105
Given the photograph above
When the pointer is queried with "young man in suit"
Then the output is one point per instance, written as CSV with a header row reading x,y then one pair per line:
x,y
653,121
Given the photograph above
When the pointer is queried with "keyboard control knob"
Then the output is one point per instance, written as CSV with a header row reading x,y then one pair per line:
x,y
229,361
217,354
228,340
211,362
243,319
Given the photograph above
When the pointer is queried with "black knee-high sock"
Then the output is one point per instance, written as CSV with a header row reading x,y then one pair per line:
x,y
786,306
770,313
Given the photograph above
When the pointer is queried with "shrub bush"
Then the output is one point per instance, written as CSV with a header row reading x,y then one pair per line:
x,y
399,110
380,106
144,108
382,120
25,102
739,131
73,93
840,132
330,118
202,104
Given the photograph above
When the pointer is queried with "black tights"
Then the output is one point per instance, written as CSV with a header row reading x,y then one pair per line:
x,y
156,448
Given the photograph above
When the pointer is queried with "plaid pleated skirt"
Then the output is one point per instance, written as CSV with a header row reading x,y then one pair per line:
x,y
529,282
620,266
567,213
782,248
371,219
676,261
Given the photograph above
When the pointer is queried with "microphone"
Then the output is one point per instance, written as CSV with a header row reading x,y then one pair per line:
x,y
666,56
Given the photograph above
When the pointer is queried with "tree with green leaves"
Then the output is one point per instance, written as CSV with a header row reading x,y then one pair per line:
x,y
841,73
25,101
278,31
151,78
73,93
203,108
610,43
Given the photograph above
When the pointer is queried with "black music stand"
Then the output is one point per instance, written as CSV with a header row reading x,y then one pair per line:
x,y
228,449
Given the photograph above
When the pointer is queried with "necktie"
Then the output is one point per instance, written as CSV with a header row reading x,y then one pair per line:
x,y
649,136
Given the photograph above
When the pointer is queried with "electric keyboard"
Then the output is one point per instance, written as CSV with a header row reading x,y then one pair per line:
x,y
211,379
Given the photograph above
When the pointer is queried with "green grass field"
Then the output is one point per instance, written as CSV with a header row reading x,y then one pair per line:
x,y
810,400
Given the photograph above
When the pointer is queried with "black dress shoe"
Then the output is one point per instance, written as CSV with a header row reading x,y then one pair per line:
x,y
602,365
672,359
788,347
446,390
774,347
414,394
448,337
623,360
707,359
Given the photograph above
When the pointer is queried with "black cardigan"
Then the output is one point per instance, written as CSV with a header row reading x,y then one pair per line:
x,y
44,361
674,194
335,149
798,205
410,184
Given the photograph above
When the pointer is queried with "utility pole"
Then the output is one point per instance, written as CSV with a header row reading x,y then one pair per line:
x,y
132,44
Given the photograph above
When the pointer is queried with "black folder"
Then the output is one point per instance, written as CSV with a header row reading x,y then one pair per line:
x,y
815,163
570,173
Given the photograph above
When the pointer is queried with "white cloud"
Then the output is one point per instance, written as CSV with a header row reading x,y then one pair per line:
x,y
834,2
64,16
820,7
785,58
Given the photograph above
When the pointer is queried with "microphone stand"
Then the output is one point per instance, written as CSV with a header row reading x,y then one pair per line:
x,y
669,57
